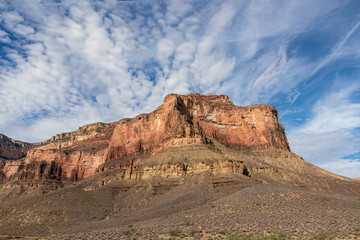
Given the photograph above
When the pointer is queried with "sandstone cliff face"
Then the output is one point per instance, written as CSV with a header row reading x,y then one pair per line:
x,y
67,157
12,149
245,128
68,139
181,120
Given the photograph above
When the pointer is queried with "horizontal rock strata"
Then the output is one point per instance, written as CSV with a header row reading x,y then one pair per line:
x,y
181,120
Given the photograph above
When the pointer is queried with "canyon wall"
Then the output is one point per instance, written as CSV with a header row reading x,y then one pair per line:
x,y
181,120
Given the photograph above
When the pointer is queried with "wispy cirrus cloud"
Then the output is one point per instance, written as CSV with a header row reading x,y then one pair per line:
x,y
337,48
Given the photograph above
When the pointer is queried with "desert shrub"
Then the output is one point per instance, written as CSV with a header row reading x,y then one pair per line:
x,y
175,232
280,236
238,238
130,231
193,233
273,236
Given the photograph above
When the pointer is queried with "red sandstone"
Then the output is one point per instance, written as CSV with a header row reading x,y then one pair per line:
x,y
182,119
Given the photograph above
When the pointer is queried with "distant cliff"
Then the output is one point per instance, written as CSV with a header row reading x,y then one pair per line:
x,y
12,149
181,120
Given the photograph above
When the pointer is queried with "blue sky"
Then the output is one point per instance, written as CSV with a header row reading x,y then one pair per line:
x,y
64,64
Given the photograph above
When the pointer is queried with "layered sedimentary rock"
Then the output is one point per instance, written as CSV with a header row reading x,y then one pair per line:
x,y
12,149
244,128
181,120
69,156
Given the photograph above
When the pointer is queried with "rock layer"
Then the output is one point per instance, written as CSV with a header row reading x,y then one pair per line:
x,y
243,128
12,149
181,120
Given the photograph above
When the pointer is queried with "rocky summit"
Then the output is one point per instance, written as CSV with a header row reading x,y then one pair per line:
x,y
198,167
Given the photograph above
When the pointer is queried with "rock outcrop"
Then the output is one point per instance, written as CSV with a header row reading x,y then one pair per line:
x,y
12,149
67,157
181,120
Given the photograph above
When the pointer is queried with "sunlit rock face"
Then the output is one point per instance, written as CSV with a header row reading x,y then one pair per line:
x,y
181,120
244,128
12,149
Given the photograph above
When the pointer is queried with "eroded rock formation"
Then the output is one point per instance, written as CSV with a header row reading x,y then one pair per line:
x,y
12,149
181,120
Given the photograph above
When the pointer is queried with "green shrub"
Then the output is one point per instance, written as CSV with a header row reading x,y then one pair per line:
x,y
130,231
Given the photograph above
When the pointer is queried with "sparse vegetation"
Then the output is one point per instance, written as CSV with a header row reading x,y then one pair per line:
x,y
322,236
193,233
238,238
130,231
262,236
188,223
175,232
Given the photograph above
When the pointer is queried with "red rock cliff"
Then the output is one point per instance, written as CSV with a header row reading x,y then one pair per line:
x,y
182,119
12,149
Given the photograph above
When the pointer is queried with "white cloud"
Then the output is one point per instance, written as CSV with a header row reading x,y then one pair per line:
x,y
326,150
344,167
337,48
11,18
23,29
293,95
165,49
211,65
321,147
330,134
335,111
4,37
262,35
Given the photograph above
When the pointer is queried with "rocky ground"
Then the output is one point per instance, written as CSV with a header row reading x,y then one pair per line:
x,y
254,211
224,210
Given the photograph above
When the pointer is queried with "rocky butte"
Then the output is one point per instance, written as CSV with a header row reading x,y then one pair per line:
x,y
181,120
